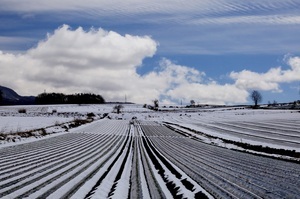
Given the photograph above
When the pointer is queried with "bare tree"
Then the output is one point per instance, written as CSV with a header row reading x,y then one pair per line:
x,y
156,103
192,102
118,108
256,97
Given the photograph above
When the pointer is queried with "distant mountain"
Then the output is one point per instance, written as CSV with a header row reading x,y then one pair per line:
x,y
10,97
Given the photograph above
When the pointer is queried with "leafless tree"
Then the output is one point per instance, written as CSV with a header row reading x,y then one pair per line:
x,y
256,97
118,108
156,103
192,102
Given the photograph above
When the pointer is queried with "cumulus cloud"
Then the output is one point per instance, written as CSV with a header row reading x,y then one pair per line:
x,y
105,62
270,80
93,49
95,61
211,93
185,83
77,61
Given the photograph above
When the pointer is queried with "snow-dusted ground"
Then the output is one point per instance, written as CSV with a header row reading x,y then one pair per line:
x,y
12,124
272,128
43,116
113,158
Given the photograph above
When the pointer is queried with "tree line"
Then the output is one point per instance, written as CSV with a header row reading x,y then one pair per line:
x,y
60,98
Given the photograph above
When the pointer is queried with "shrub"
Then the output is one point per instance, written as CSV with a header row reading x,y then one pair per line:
x,y
2,137
90,115
43,132
22,110
78,122
104,115
118,108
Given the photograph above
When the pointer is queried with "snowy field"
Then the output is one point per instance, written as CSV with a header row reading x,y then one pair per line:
x,y
12,124
11,121
271,128
117,157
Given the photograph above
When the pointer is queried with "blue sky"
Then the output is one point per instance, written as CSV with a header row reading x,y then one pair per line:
x,y
193,49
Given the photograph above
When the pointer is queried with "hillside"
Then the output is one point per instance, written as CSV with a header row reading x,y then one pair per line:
x,y
10,97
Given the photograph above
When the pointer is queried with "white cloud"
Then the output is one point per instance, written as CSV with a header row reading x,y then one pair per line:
x,y
271,79
250,19
103,62
78,61
226,26
106,63
93,49
211,93
117,6
207,7
194,12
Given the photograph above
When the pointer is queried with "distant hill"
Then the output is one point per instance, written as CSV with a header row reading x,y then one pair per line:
x,y
10,97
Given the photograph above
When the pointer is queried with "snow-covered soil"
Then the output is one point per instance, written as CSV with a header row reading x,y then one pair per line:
x,y
269,128
143,158
13,124
43,116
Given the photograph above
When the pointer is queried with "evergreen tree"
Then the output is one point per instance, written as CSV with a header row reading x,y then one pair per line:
x,y
60,98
